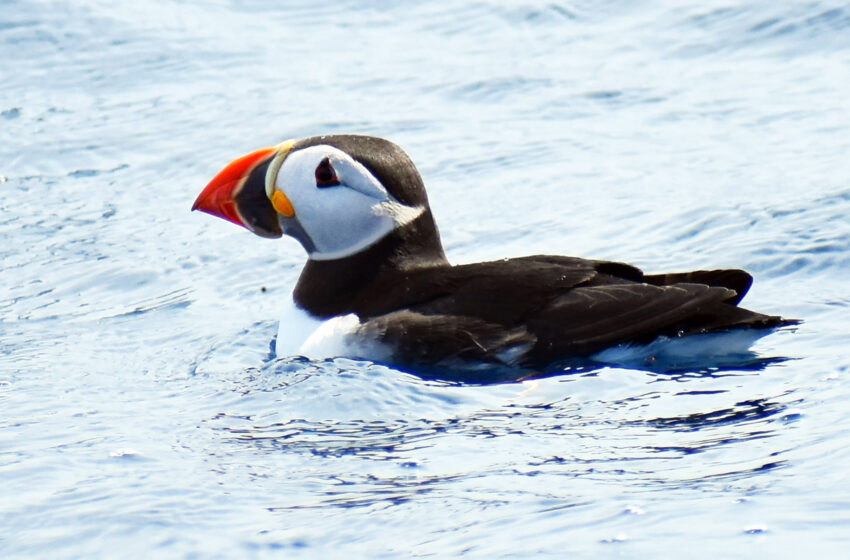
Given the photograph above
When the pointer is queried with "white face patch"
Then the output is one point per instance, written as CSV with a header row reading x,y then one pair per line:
x,y
343,219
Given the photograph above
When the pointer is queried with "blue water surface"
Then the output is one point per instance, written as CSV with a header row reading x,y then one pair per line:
x,y
141,413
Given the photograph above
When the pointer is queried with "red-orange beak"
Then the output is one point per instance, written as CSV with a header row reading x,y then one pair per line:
x,y
238,194
219,196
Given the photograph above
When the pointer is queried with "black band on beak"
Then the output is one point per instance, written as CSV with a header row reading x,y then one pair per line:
x,y
254,206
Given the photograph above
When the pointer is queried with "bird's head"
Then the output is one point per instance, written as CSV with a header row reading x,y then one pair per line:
x,y
336,194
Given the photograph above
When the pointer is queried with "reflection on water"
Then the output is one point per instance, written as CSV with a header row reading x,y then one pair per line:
x,y
519,432
745,411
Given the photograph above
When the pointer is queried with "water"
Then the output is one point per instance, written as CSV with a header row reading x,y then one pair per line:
x,y
142,413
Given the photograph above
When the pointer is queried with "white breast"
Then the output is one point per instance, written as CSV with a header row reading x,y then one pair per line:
x,y
301,334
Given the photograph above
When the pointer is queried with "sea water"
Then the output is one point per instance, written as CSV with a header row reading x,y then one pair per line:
x,y
142,412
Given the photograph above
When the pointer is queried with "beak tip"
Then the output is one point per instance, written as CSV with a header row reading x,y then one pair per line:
x,y
203,202
219,197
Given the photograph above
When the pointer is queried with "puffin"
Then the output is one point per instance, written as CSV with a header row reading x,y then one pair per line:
x,y
377,284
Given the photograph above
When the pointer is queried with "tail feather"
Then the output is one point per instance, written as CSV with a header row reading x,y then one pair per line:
x,y
732,278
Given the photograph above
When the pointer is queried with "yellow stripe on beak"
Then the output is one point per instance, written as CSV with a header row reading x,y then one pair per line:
x,y
281,204
283,150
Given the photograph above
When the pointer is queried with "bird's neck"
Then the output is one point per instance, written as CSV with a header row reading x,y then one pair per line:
x,y
334,287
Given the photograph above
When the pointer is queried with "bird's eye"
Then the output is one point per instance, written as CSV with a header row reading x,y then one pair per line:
x,y
325,174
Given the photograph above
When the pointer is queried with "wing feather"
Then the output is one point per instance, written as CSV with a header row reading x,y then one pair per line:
x,y
418,339
531,311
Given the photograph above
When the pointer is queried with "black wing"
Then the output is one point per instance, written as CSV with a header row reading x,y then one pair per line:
x,y
553,307
445,340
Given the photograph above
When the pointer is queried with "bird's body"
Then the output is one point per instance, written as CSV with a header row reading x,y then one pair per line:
x,y
377,278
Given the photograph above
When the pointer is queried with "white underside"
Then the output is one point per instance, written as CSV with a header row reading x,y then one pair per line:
x,y
713,349
301,334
